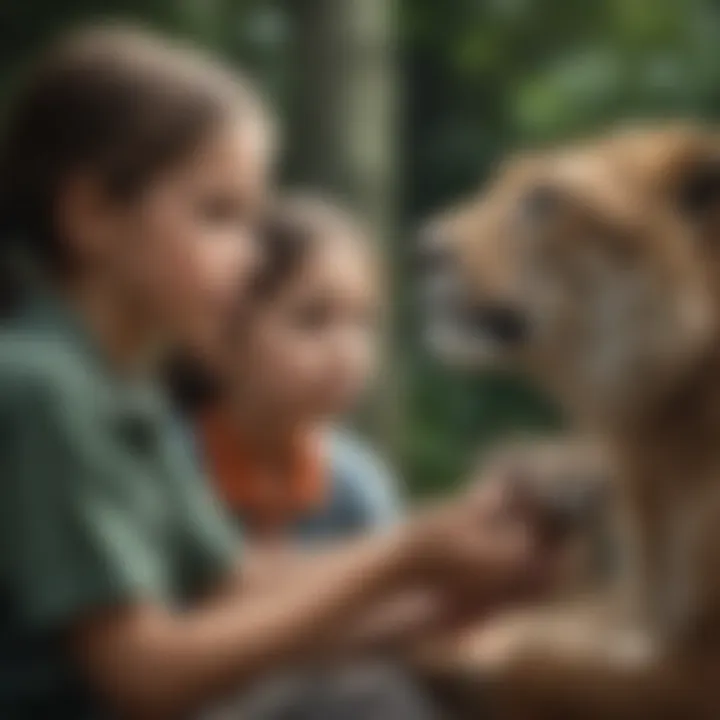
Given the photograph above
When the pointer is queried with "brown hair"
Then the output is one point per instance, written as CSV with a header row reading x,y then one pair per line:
x,y
290,230
117,101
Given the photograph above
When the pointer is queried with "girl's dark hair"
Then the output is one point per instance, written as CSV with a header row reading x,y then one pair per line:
x,y
290,229
118,102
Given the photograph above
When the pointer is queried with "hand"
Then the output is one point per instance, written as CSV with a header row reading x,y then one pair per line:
x,y
565,483
482,544
563,490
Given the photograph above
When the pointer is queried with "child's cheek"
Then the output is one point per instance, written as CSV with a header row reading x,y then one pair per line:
x,y
302,375
354,367
200,272
204,290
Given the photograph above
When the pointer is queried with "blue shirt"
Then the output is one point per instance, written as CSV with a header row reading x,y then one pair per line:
x,y
362,496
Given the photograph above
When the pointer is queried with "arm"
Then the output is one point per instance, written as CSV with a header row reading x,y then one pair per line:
x,y
88,566
393,625
154,662
404,626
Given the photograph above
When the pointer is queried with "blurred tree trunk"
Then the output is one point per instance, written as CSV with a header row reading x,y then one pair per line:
x,y
342,132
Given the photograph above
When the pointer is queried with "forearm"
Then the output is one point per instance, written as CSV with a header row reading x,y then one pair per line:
x,y
159,663
396,625
387,628
404,626
264,568
167,664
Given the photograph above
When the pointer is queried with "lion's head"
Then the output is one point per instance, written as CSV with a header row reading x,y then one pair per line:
x,y
593,267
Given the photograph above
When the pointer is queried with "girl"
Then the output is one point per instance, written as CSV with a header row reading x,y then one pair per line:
x,y
301,354
130,171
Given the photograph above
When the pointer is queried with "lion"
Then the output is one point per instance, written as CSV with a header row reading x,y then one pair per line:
x,y
595,270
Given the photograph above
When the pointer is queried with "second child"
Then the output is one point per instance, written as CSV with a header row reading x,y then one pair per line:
x,y
300,358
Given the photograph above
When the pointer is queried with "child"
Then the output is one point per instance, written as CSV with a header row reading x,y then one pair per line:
x,y
130,172
301,355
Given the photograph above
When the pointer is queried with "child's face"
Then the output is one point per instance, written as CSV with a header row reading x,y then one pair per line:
x,y
182,249
308,352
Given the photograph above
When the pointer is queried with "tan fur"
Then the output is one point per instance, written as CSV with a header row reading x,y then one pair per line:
x,y
622,287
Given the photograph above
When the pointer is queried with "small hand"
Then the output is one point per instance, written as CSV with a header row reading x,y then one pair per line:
x,y
482,544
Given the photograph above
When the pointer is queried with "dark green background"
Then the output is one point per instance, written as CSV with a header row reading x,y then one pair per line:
x,y
473,79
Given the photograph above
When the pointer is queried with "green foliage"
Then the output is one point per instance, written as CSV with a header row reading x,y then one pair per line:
x,y
486,77
481,78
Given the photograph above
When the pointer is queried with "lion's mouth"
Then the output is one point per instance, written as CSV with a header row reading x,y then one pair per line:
x,y
458,326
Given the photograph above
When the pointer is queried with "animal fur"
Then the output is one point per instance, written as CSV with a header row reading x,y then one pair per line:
x,y
606,256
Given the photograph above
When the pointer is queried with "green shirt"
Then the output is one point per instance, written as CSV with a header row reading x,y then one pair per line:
x,y
100,505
